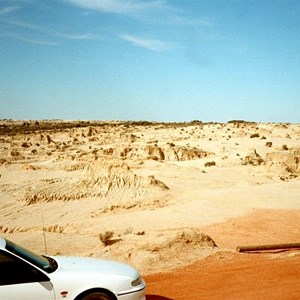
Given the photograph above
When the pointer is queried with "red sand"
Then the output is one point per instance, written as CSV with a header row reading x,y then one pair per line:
x,y
231,276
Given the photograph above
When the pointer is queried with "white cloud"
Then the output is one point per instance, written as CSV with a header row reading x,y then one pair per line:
x,y
150,44
9,9
23,25
152,10
44,30
31,41
119,6
84,36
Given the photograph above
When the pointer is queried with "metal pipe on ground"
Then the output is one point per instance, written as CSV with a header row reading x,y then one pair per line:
x,y
268,247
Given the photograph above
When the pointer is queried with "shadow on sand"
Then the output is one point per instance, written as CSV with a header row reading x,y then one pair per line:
x,y
156,297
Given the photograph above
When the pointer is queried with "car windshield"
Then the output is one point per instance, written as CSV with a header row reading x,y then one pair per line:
x,y
45,263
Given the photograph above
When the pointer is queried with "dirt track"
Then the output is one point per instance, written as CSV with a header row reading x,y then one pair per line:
x,y
228,275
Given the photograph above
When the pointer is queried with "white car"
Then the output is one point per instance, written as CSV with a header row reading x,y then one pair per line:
x,y
28,276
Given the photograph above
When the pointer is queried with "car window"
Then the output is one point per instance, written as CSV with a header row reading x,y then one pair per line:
x,y
15,271
45,263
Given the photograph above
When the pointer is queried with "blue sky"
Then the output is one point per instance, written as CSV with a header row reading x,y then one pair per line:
x,y
155,60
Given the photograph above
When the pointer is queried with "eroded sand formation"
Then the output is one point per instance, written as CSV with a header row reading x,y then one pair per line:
x,y
154,186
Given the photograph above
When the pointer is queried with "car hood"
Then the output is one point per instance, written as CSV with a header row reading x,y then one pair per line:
x,y
94,265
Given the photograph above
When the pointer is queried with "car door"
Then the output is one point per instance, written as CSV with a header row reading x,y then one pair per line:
x,y
21,280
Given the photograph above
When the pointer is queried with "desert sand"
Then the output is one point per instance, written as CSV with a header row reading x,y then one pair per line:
x,y
160,196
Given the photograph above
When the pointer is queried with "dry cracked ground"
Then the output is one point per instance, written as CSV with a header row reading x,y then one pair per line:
x,y
160,196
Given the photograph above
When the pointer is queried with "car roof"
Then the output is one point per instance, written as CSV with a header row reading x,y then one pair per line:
x,y
2,243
